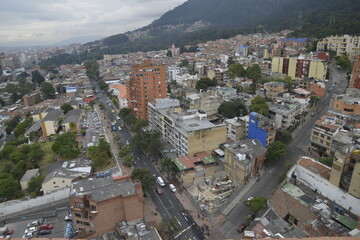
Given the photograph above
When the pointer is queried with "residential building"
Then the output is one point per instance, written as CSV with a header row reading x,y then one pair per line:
x,y
88,98
241,51
206,101
27,176
235,128
323,132
291,42
147,82
301,96
50,123
345,172
218,73
190,168
285,115
262,129
346,104
189,132
121,92
355,74
172,73
100,201
345,44
274,89
72,120
299,67
63,175
31,99
243,159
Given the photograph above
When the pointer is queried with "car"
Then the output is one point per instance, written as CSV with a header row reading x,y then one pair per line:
x,y
159,190
326,201
34,223
312,114
172,187
6,236
117,118
318,200
8,232
241,227
151,158
127,142
119,128
185,215
45,232
46,227
31,229
29,235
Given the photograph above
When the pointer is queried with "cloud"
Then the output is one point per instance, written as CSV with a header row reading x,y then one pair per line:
x,y
55,20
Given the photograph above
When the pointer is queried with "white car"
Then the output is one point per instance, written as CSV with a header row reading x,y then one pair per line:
x,y
127,142
31,229
119,128
117,118
172,187
33,223
29,235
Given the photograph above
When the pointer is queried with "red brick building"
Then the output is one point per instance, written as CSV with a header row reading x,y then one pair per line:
x,y
147,83
355,74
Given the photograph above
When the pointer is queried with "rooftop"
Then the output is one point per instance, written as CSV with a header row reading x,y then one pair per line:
x,y
187,162
330,122
73,116
246,150
29,174
315,167
349,100
53,115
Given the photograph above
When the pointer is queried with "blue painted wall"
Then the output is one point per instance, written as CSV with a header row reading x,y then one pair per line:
x,y
256,132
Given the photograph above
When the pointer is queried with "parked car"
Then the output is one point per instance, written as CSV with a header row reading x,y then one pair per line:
x,y
172,187
31,229
127,142
151,158
29,235
241,227
8,232
33,223
185,215
159,190
44,232
46,227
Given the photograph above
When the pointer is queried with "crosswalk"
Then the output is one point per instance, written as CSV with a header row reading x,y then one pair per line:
x,y
228,229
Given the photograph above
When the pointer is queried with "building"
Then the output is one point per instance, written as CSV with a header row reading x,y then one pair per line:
x,y
346,104
285,115
147,82
206,101
50,123
31,99
72,120
291,42
299,67
322,134
274,89
236,128
98,202
355,74
188,132
63,175
345,172
262,129
121,93
342,45
27,176
241,51
243,159
172,73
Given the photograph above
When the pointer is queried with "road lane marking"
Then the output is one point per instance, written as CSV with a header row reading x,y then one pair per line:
x,y
163,204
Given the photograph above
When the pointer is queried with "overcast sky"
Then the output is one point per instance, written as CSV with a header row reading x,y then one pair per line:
x,y
25,22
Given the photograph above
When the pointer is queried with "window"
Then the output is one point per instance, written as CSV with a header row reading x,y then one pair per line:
x,y
77,215
92,208
78,205
54,182
63,181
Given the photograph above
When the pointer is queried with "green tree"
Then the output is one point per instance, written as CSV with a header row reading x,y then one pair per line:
x,y
138,125
124,112
2,102
34,184
19,169
283,136
256,204
276,150
12,123
115,101
125,150
204,83
254,72
145,176
101,106
236,70
103,85
343,61
9,186
328,161
66,107
169,53
36,77
47,90
36,153
128,160
66,145
21,128
184,63
230,61
92,69
168,228
99,154
234,108
168,166
259,105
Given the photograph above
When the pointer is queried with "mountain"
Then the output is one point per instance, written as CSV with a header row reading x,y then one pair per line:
x,y
202,20
82,39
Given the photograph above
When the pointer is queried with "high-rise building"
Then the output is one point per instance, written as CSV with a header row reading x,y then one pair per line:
x,y
345,44
147,83
355,74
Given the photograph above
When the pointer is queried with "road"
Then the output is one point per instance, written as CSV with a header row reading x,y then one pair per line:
x,y
167,203
298,147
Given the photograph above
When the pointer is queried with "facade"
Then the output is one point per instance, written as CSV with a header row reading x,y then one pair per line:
x,y
262,129
242,51
355,74
322,134
285,115
27,176
31,99
346,104
188,132
297,68
274,89
50,123
172,73
121,93
98,202
243,159
207,101
236,128
147,82
345,172
72,120
345,44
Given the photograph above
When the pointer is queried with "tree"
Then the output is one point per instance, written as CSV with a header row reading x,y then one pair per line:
x,y
47,90
2,102
343,61
19,169
34,184
92,69
36,77
230,61
36,153
103,85
236,70
99,154
139,124
145,176
283,136
259,105
102,106
276,150
169,53
204,83
328,161
231,109
12,123
168,228
60,88
168,166
66,145
22,127
128,160
66,107
125,150
256,203
254,72
9,186
184,63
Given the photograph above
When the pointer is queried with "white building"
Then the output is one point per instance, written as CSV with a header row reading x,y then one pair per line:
x,y
345,44
172,72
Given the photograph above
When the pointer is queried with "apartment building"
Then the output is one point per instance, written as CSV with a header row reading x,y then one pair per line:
x,y
72,120
50,123
31,99
345,44
262,129
206,101
345,172
147,82
285,115
346,104
236,128
274,89
296,67
189,132
355,74
100,201
172,73
243,159
322,134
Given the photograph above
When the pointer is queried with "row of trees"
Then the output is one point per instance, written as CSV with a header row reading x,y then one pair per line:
x,y
100,155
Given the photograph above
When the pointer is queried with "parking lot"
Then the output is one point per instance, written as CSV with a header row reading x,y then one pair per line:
x,y
56,218
94,130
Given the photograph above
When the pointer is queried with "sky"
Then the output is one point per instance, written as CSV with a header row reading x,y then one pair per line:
x,y
39,22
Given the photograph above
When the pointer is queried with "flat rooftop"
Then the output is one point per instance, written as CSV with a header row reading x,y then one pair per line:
x,y
187,162
315,167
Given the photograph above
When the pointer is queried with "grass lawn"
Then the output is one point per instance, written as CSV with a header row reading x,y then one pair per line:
x,y
49,155
110,163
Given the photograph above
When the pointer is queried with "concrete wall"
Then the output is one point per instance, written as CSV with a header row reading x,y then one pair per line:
x,y
50,186
325,188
